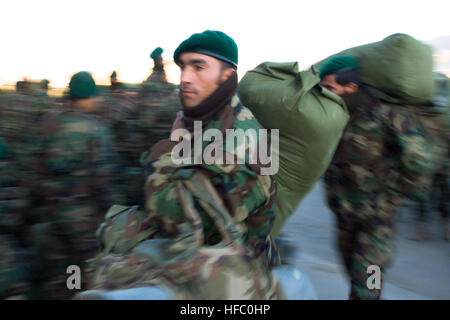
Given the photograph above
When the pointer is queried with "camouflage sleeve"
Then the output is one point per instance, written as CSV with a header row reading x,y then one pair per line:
x,y
413,150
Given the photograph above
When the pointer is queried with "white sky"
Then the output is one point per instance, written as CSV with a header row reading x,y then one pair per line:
x,y
54,39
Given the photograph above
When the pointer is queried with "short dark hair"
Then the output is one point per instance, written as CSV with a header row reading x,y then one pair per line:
x,y
347,75
225,65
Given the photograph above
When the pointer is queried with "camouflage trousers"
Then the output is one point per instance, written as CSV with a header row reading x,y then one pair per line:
x,y
365,242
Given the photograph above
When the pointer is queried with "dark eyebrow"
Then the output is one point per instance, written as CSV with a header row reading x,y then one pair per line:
x,y
193,61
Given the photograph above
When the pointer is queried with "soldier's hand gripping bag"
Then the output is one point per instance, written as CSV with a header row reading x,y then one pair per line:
x,y
310,120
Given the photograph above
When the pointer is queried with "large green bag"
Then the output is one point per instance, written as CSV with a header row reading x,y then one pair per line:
x,y
311,121
399,66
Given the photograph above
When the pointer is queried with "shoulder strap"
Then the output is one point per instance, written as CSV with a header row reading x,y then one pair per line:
x,y
201,187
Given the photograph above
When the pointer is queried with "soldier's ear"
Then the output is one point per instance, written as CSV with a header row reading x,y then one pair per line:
x,y
351,87
226,73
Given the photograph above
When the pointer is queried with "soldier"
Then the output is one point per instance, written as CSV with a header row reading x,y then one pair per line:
x,y
382,156
75,167
208,83
158,104
44,85
436,121
114,83
237,188
14,255
121,115
158,74
440,188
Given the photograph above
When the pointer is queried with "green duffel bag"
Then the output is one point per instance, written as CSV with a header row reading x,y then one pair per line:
x,y
310,120
399,67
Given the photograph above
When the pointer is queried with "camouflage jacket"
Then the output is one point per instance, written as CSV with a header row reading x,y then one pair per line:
x,y
121,115
383,155
13,205
17,113
76,161
158,104
13,195
248,195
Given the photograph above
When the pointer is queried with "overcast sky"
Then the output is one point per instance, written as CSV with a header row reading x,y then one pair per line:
x,y
54,39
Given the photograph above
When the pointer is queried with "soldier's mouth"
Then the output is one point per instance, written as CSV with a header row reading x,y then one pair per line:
x,y
187,93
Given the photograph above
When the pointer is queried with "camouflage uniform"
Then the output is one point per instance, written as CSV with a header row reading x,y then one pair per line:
x,y
248,195
381,157
14,257
75,169
120,113
17,113
436,120
157,109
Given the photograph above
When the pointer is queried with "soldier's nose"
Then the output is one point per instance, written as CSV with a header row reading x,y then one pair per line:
x,y
185,77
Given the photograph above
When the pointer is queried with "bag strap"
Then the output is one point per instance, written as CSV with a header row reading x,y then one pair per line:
x,y
201,187
187,203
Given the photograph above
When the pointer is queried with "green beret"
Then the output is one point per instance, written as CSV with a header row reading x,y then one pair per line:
x,y
336,64
82,85
212,43
156,53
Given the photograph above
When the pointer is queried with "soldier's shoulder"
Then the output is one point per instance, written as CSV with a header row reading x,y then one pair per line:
x,y
244,118
75,121
398,117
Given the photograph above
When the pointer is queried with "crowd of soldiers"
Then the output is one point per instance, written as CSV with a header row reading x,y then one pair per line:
x,y
42,139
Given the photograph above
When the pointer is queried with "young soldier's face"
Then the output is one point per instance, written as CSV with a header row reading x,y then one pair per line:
x,y
200,76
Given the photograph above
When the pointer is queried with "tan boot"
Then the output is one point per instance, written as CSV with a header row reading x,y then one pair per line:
x,y
422,232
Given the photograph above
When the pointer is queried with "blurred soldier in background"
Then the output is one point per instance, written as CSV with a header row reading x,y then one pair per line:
x,y
115,84
75,167
158,74
381,151
437,121
439,195
20,111
121,115
14,255
44,86
158,104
